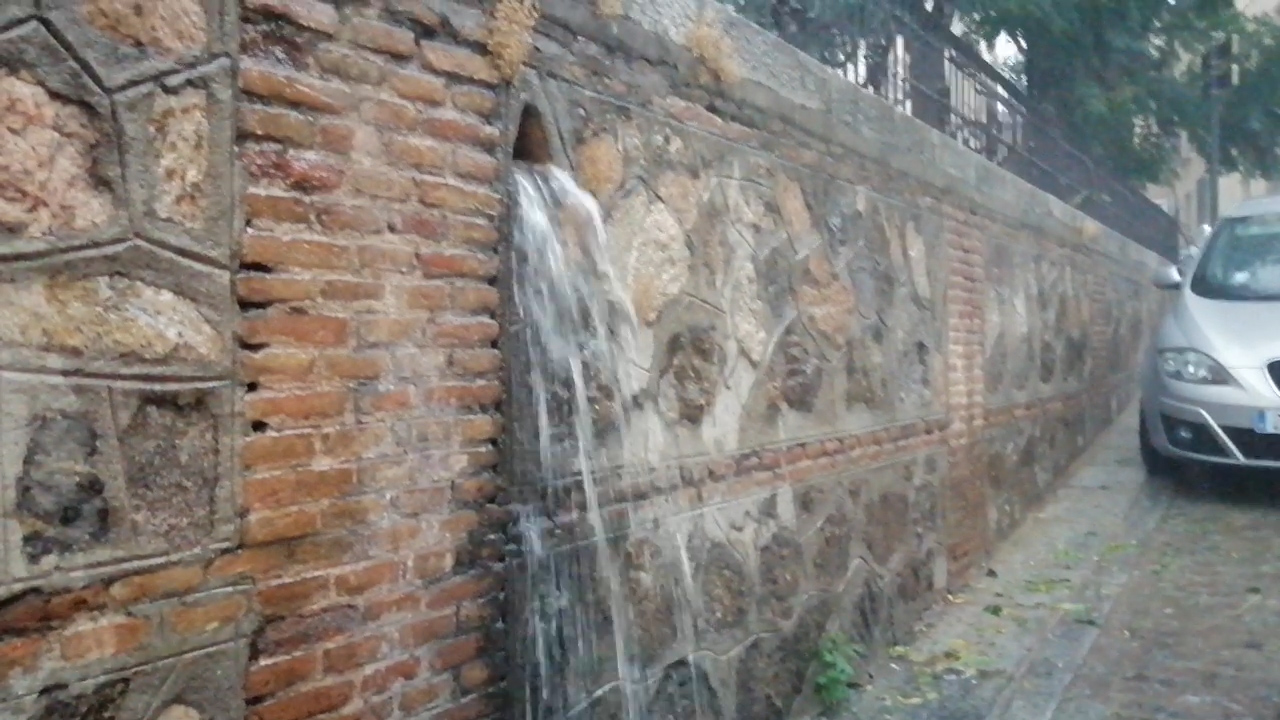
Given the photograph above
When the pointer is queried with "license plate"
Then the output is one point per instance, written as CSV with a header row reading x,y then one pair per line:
x,y
1267,422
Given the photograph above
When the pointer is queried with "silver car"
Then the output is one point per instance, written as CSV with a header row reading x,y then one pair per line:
x,y
1211,386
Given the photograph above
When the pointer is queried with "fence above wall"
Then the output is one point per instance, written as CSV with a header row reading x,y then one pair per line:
x,y
933,75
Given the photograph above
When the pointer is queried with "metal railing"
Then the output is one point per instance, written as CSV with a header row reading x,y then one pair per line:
x,y
922,68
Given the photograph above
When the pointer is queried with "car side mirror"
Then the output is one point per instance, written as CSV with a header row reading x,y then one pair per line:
x,y
1168,277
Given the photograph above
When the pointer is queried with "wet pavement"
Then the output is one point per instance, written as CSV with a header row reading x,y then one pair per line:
x,y
1125,598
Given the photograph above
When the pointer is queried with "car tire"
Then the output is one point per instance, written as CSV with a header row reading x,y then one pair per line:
x,y
1156,464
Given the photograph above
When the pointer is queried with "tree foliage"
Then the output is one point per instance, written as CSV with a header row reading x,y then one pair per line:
x,y
1251,110
1122,79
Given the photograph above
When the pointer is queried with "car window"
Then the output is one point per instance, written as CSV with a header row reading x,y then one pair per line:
x,y
1241,261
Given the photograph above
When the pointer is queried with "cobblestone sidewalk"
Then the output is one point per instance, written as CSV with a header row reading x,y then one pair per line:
x,y
1124,599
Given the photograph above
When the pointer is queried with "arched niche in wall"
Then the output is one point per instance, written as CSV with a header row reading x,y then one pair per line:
x,y
530,136
532,127
532,144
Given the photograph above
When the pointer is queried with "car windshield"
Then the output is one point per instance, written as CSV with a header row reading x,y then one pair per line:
x,y
1241,261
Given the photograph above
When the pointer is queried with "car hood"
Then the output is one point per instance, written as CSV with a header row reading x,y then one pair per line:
x,y
1237,334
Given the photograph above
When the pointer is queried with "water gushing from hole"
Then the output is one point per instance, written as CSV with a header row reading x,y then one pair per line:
x,y
576,332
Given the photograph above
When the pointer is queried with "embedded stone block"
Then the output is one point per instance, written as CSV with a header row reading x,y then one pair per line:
x,y
887,528
685,691
724,588
795,381
92,472
124,310
832,547
60,183
782,575
126,41
826,300
60,502
109,318
48,164
649,250
174,469
170,28
180,127
202,685
692,373
178,164
652,594
746,310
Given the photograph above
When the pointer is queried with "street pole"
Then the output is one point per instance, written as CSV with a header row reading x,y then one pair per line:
x,y
1223,73
1215,149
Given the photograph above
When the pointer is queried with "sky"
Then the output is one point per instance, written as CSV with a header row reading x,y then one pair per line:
x,y
1004,51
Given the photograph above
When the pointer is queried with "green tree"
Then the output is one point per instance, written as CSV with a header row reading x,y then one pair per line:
x,y
1251,110
1122,79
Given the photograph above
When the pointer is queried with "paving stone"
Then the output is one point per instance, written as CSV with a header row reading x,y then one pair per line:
x,y
1131,598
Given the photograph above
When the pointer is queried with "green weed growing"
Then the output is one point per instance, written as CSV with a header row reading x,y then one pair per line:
x,y
838,660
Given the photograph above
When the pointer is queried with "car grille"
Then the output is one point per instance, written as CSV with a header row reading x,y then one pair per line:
x,y
1274,371
1254,446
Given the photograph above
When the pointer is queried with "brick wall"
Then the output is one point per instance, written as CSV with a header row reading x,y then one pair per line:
x,y
965,517
367,348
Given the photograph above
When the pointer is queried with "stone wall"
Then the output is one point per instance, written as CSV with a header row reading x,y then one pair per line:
x,y
250,384
117,357
869,354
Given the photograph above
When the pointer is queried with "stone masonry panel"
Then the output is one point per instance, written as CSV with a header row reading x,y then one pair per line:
x,y
806,314
775,305
118,428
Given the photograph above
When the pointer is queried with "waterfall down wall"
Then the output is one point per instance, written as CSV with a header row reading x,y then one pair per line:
x,y
578,327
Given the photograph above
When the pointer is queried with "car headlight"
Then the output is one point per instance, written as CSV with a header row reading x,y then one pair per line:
x,y
1192,366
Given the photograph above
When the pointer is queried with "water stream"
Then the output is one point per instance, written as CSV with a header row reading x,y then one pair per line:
x,y
576,334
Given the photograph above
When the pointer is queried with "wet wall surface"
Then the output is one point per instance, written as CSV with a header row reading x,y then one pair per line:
x,y
854,372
